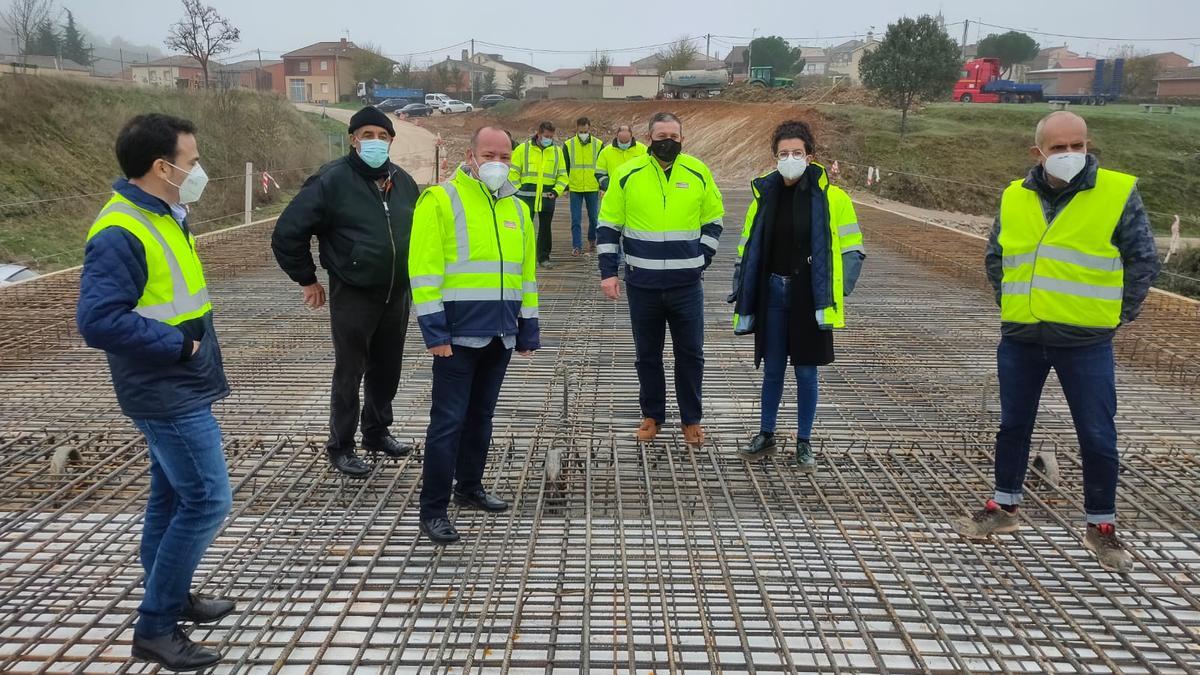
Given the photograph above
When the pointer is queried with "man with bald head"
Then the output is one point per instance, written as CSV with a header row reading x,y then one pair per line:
x,y
1071,258
473,261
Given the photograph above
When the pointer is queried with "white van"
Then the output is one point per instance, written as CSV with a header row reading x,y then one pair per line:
x,y
436,101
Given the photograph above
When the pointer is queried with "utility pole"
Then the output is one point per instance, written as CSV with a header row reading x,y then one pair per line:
x,y
966,27
708,46
258,74
121,53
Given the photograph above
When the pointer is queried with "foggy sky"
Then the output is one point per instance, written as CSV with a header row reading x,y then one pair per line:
x,y
402,27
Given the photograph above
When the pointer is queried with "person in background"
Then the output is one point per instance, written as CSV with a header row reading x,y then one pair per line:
x,y
799,257
1071,258
582,153
539,172
144,301
359,207
474,275
623,148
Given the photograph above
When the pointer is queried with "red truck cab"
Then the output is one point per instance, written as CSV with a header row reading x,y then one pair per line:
x,y
975,74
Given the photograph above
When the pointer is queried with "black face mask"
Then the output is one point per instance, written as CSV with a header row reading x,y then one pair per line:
x,y
666,149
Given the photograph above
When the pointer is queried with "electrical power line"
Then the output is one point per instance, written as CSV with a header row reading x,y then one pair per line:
x,y
1089,37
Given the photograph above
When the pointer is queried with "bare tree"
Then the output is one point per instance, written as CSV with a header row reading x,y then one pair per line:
x,y
677,57
24,17
202,34
599,64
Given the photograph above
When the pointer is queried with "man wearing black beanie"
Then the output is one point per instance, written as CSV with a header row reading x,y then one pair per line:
x,y
360,209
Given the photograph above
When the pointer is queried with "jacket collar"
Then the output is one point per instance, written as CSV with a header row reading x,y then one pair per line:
x,y
1086,180
140,198
771,181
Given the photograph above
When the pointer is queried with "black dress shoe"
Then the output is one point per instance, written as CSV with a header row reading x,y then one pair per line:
x,y
439,530
762,445
480,499
349,463
200,609
388,446
174,652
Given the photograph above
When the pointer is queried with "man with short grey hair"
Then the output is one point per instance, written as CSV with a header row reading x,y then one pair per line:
x,y
1071,258
664,211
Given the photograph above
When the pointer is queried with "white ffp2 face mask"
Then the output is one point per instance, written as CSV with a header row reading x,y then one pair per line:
x,y
792,168
492,174
193,186
1065,166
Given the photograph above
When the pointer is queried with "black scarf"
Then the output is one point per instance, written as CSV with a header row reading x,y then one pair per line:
x,y
361,168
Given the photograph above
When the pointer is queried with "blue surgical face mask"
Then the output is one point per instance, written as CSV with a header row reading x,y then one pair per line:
x,y
547,142
624,146
373,151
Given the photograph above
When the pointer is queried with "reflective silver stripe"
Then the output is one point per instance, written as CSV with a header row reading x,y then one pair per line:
x,y
1014,288
743,241
662,235
483,267
856,247
1067,255
711,242
848,229
1018,260
527,193
680,264
426,281
1078,289
461,236
720,222
182,300
611,225
480,294
529,312
608,248
821,321
431,307
529,287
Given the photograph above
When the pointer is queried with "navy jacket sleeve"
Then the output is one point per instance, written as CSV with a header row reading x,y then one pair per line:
x,y
114,276
993,260
1139,256
294,230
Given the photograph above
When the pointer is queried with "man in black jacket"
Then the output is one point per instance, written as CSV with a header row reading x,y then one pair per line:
x,y
360,209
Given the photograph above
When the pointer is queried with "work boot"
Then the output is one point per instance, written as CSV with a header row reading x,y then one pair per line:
x,y
648,430
349,463
1110,551
989,520
693,435
761,446
174,651
439,530
576,252
546,265
200,609
388,446
480,499
805,457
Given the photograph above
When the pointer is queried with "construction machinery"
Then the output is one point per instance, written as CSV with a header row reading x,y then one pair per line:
x,y
981,81
689,84
764,76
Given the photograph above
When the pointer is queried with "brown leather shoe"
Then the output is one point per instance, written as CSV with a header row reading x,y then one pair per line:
x,y
648,430
693,435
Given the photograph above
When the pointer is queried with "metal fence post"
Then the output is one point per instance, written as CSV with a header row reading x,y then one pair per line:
x,y
249,191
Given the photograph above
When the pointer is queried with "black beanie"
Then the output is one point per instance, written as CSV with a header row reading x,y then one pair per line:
x,y
371,115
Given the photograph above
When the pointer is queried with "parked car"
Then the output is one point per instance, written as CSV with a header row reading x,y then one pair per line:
x,y
415,110
391,105
456,106
491,100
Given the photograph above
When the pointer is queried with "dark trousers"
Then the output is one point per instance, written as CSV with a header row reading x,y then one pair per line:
x,y
545,238
1089,383
189,499
651,312
368,343
465,388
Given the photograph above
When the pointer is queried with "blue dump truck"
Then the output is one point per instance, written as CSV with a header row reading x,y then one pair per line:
x,y
980,82
370,94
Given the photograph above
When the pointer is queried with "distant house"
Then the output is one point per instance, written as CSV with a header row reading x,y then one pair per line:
x,y
1168,61
469,73
649,65
844,59
1181,83
736,62
1050,58
623,82
322,72
41,66
179,71
1070,76
252,74
620,82
816,61
535,78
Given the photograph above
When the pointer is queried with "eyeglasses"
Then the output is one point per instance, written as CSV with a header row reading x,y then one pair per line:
x,y
791,154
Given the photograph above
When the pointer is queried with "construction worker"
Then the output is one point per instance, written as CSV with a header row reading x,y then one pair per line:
x,y
359,207
582,152
623,148
664,211
800,233
1071,258
144,301
473,265
540,173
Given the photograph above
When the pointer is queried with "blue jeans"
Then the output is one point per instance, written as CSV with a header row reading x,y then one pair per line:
x,y
775,362
651,311
465,388
578,199
189,499
1089,384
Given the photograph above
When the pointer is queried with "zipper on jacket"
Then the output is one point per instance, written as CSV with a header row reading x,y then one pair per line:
x,y
387,213
499,251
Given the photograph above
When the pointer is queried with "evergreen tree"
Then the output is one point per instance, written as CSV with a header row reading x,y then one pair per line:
x,y
73,46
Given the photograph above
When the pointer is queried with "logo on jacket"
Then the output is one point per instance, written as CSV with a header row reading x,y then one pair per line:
x,y
681,186
510,224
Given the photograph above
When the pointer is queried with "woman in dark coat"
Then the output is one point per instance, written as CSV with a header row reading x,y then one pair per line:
x,y
800,255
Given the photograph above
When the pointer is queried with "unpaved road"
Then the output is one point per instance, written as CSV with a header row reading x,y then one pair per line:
x,y
412,148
